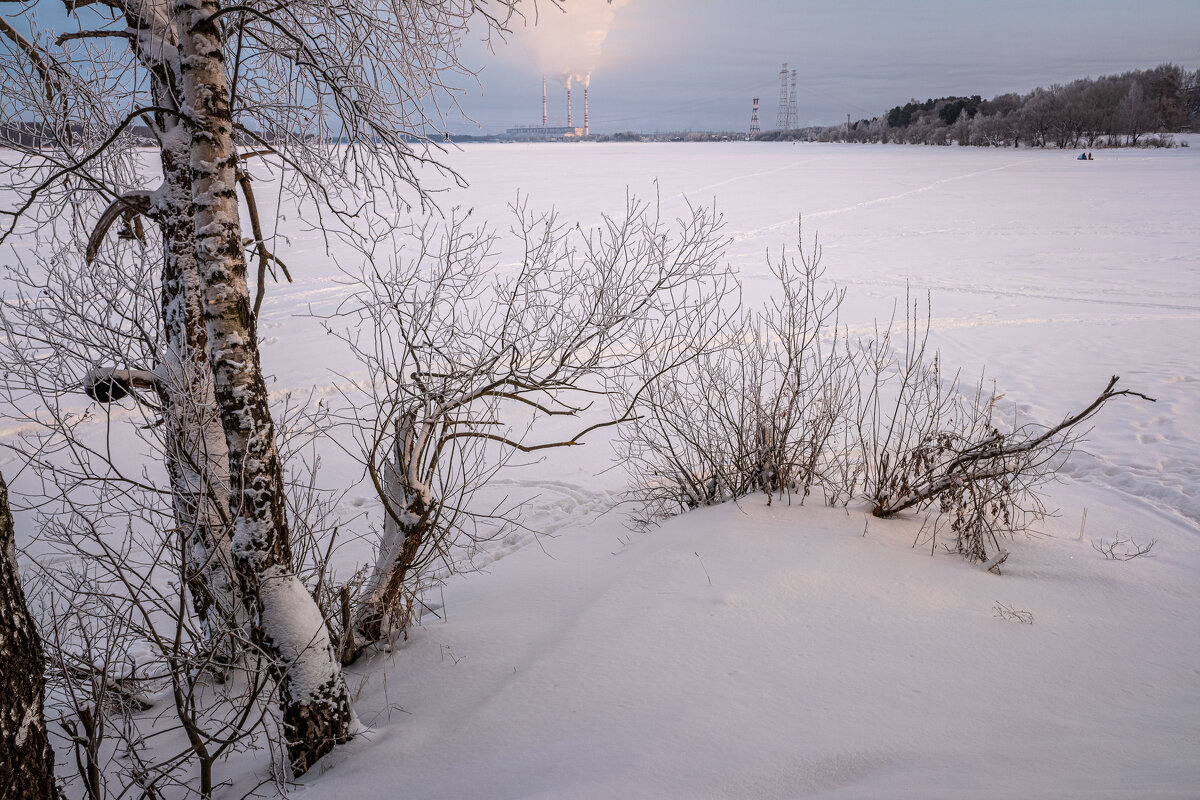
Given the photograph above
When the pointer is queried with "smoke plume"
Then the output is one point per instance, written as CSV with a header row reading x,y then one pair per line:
x,y
568,43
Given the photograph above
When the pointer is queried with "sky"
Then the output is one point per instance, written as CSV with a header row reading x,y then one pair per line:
x,y
676,65
696,64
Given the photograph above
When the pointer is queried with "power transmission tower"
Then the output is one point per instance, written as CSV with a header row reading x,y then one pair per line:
x,y
781,119
754,120
793,113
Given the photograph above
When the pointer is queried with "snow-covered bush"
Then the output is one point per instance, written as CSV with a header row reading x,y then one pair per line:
x,y
467,356
766,411
786,405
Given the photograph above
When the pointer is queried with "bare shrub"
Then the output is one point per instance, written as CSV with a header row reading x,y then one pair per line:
x,y
465,361
132,656
784,405
128,655
130,659
762,410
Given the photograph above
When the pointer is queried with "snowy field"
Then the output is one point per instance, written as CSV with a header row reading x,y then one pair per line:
x,y
755,652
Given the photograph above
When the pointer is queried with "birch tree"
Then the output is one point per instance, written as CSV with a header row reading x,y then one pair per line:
x,y
285,81
26,760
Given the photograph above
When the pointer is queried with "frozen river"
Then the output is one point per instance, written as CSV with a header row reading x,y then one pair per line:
x,y
747,651
1050,273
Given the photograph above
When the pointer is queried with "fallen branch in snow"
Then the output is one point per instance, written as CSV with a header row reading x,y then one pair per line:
x,y
978,479
993,563
1123,549
701,560
992,457
1010,614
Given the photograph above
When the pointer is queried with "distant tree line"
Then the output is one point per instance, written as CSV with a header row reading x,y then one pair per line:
x,y
1131,109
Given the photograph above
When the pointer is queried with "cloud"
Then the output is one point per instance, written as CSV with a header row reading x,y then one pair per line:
x,y
568,43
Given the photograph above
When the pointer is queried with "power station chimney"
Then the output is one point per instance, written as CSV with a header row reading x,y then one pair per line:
x,y
585,110
568,102
543,101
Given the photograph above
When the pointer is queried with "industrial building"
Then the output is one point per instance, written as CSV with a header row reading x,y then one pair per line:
x,y
545,131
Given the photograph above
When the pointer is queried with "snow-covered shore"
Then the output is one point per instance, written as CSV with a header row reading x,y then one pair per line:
x,y
778,652
747,651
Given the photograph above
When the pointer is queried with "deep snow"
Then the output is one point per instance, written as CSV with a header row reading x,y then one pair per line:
x,y
821,662
748,651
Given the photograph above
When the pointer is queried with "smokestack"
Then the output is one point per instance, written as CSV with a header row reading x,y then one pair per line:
x,y
543,101
585,110
568,102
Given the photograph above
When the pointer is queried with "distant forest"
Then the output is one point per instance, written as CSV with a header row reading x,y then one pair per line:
x,y
1135,108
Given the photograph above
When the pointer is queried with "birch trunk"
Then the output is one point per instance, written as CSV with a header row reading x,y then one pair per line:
x,y
26,759
196,455
285,619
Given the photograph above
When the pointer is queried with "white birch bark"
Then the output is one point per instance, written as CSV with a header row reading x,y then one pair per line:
x,y
196,455
286,622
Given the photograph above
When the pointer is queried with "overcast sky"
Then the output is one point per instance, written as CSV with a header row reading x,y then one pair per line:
x,y
696,64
